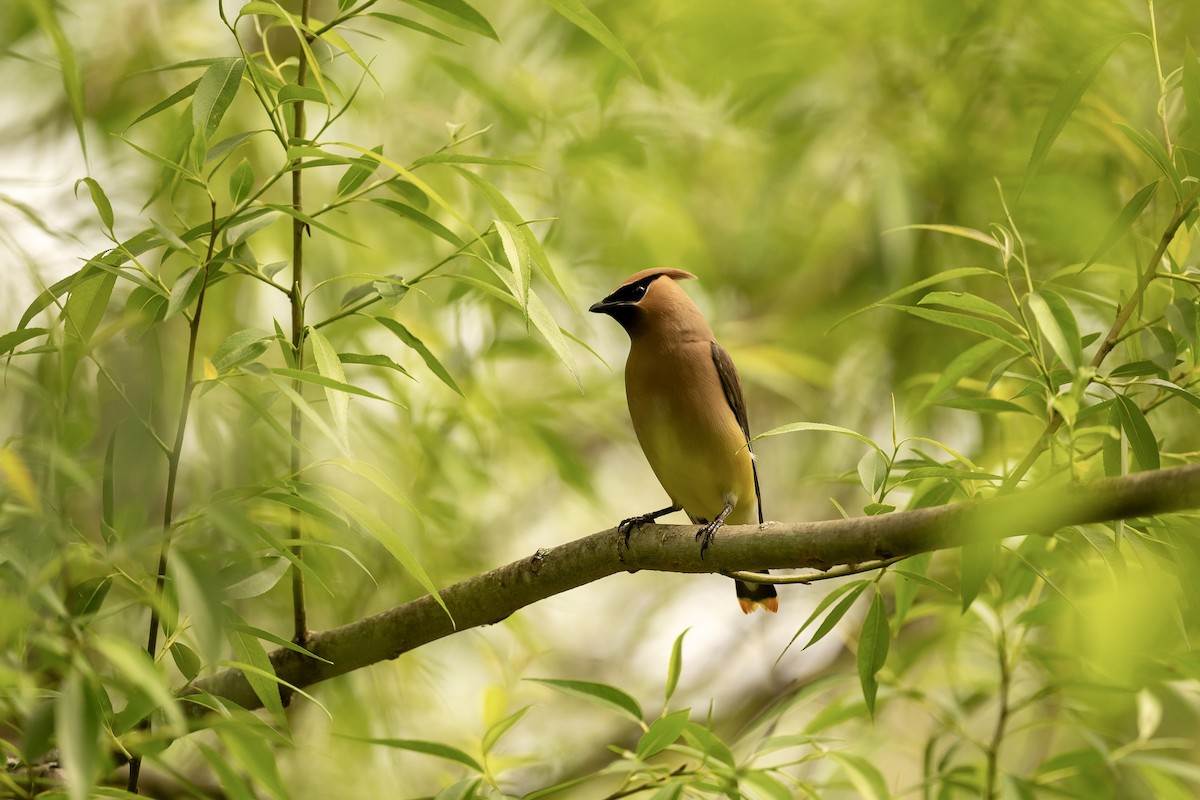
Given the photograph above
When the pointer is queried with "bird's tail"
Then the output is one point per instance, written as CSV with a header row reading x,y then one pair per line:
x,y
753,595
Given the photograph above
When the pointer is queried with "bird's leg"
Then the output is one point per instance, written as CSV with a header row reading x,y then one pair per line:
x,y
627,525
704,537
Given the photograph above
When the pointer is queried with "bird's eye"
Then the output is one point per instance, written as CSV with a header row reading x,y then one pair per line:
x,y
638,291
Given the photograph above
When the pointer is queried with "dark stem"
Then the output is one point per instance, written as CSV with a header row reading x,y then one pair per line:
x,y
299,612
1002,714
173,459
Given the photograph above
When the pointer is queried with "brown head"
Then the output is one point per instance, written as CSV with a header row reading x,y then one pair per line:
x,y
650,302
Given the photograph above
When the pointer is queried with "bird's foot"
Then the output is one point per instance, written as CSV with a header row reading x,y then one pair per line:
x,y
705,534
626,526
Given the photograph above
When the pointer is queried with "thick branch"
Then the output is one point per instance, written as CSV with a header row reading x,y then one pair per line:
x,y
489,598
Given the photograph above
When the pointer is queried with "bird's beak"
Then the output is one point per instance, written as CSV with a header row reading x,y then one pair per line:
x,y
604,307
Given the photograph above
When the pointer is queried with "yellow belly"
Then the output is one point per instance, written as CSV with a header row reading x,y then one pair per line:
x,y
691,437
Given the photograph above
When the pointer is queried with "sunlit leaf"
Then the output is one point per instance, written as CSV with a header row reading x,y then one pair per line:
x,y
216,90
579,15
431,361
421,746
873,645
601,694
661,734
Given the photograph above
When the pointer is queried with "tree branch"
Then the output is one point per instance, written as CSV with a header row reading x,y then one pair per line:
x,y
489,598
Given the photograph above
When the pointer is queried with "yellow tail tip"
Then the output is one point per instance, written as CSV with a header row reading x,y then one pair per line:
x,y
750,606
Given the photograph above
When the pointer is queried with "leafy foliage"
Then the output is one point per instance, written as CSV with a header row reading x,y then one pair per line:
x,y
323,356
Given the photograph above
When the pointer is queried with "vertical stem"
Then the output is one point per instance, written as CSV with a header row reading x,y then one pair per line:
x,y
173,459
299,612
993,752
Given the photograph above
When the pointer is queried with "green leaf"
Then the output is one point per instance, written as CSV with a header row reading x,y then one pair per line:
x,y
497,731
1124,221
517,252
77,729
867,780
249,650
214,93
373,360
1153,148
973,304
464,158
421,746
1174,389
241,182
1064,102
675,666
416,26
163,105
406,336
253,578
421,218
960,367
311,222
241,348
548,328
964,322
87,304
709,743
793,427
46,14
955,230
835,615
662,733
601,694
358,172
328,383
977,561
99,200
253,751
1191,88
1141,437
295,93
873,645
14,339
457,13
579,15
141,674
329,366
185,291
1056,322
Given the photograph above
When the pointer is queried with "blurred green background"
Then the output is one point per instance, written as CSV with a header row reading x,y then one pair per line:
x,y
771,148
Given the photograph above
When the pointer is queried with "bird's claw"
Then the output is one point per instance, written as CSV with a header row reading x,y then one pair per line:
x,y
705,535
626,526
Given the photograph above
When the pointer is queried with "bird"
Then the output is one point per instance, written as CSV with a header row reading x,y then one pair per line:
x,y
687,408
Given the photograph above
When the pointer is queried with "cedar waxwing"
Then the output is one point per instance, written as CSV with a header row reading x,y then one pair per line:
x,y
685,400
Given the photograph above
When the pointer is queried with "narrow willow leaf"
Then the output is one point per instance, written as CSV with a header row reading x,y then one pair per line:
x,y
496,732
185,291
421,218
960,367
1141,436
87,304
329,366
10,341
1124,221
251,749
241,348
1056,322
601,694
1174,389
216,90
835,615
933,280
464,158
708,743
873,645
248,579
508,213
458,13
163,105
416,26
77,725
99,200
963,301
311,221
517,253
793,427
46,14
955,230
431,361
241,181
674,666
548,328
295,93
579,15
1064,102
389,538
1153,148
326,382
373,360
964,322
1191,88
358,172
140,672
421,746
867,780
661,734
977,561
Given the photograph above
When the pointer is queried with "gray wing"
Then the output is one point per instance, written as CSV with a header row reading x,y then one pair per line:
x,y
731,384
